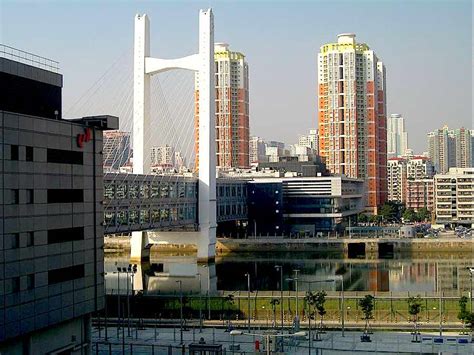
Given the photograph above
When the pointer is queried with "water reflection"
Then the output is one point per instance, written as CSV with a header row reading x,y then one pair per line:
x,y
424,273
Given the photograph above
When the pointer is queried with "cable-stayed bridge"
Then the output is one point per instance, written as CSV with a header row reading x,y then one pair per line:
x,y
172,102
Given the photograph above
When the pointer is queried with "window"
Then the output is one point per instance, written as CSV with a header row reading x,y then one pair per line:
x,y
14,152
15,196
30,239
15,282
15,240
65,274
65,235
29,154
65,195
30,196
30,281
64,157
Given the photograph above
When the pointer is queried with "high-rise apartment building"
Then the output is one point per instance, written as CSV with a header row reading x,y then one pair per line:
x,y
450,148
419,194
419,167
352,114
232,108
116,150
397,137
397,179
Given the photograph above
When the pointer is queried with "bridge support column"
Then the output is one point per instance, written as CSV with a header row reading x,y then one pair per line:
x,y
139,247
206,246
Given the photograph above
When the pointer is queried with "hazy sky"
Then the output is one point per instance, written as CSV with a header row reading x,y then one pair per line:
x,y
426,47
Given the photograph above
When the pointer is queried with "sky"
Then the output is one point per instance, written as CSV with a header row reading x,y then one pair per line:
x,y
426,47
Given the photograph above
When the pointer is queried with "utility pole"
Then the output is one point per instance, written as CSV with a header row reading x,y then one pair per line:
x,y
248,301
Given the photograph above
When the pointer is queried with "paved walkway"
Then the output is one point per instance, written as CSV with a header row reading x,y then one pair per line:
x,y
167,341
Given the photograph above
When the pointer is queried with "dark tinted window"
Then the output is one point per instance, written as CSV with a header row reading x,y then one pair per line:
x,y
64,156
65,195
14,152
65,235
29,154
65,274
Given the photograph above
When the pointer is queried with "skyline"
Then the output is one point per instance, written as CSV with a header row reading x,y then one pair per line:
x,y
431,38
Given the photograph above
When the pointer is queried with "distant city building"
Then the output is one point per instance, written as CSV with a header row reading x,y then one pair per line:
x,y
397,137
274,150
179,161
52,262
116,150
454,194
419,194
163,156
397,178
311,140
352,114
256,150
419,167
301,152
232,108
305,206
450,148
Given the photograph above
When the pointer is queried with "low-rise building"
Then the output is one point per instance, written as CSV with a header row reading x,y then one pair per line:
x,y
419,194
310,206
454,196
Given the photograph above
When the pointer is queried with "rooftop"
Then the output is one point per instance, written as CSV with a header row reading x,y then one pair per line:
x,y
28,58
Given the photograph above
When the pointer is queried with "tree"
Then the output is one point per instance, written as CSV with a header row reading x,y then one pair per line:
x,y
274,302
388,211
463,312
367,306
409,215
362,218
423,214
415,306
319,301
230,301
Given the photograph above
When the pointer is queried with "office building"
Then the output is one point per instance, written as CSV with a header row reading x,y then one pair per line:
x,y
397,137
397,179
305,206
352,114
52,213
256,150
454,194
116,151
232,108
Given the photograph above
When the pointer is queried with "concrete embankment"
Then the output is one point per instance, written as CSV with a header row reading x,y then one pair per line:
x,y
352,247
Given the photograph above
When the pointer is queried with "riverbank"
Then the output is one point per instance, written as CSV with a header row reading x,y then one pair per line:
x,y
347,246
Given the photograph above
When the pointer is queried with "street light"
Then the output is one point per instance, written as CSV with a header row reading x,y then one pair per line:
x,y
248,301
180,310
200,303
341,278
280,268
267,336
471,272
295,279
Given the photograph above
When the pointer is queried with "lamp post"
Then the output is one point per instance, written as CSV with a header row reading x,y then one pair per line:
x,y
471,272
267,337
118,301
280,268
295,279
200,303
248,301
180,310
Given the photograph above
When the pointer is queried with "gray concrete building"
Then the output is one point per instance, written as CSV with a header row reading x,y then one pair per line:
x,y
51,255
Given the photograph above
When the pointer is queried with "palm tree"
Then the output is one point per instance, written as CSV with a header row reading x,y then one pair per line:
x,y
274,302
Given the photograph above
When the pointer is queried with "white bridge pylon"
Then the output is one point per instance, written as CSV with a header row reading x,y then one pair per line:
x,y
146,66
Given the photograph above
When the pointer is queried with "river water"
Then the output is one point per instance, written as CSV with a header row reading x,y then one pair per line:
x,y
421,273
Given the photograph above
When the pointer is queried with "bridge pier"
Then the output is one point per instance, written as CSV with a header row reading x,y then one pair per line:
x,y
139,247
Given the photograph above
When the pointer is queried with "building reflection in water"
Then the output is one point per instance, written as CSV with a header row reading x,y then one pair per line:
x,y
447,274
161,277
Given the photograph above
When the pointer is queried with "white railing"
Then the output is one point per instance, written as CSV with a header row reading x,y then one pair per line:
x,y
28,58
